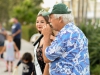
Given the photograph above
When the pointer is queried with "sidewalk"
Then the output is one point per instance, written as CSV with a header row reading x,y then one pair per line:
x,y
25,47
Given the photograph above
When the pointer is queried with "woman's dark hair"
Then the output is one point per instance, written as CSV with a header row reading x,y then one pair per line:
x,y
45,17
27,56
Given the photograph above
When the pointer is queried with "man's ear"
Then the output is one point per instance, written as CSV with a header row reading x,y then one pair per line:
x,y
60,19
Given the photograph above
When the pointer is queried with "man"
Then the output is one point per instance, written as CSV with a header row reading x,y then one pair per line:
x,y
2,37
16,32
68,53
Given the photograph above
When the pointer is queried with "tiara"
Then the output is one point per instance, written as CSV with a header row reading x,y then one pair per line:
x,y
43,12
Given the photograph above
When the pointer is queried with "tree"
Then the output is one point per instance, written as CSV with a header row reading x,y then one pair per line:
x,y
4,14
37,2
26,11
93,34
8,8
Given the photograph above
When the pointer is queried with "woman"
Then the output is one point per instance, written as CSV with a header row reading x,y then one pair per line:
x,y
42,20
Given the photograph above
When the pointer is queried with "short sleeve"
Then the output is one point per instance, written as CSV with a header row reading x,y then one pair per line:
x,y
58,47
18,27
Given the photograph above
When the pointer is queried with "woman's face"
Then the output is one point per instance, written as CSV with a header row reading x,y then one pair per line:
x,y
40,22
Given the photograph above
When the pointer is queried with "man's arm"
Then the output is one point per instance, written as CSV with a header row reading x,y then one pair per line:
x,y
17,33
47,32
17,50
46,43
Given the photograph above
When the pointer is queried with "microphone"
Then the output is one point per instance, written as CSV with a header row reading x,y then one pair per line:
x,y
38,40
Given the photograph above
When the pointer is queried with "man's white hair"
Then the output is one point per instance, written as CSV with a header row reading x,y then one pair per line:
x,y
66,17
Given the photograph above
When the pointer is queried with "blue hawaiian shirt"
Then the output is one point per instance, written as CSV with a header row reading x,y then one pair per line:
x,y
69,52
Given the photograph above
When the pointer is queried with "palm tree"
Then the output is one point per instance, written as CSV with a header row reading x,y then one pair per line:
x,y
86,12
95,5
82,10
78,20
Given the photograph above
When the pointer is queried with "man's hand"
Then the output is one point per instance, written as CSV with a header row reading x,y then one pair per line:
x,y
47,30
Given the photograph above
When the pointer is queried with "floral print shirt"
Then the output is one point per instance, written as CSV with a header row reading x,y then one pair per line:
x,y
69,52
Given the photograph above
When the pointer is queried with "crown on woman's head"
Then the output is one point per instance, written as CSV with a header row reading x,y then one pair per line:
x,y
43,12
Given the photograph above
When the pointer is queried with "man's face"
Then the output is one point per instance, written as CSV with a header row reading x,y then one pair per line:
x,y
54,22
14,20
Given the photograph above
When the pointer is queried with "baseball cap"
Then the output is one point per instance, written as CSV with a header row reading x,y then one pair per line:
x,y
60,8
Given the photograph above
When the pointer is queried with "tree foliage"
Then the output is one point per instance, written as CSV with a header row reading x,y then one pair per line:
x,y
4,14
37,2
92,32
25,10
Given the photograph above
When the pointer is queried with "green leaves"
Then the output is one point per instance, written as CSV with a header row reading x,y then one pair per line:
x,y
92,32
26,11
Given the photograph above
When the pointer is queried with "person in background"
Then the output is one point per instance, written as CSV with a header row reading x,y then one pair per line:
x,y
3,34
16,33
68,53
28,65
9,48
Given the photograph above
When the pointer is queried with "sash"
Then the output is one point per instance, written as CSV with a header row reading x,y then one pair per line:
x,y
37,66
